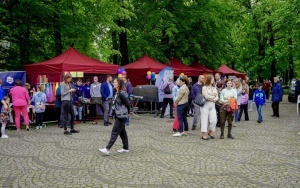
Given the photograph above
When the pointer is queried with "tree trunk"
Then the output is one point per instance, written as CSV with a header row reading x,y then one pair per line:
x,y
115,47
291,72
24,46
273,61
123,44
57,31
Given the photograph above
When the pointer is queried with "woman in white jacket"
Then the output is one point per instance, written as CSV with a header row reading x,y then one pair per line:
x,y
208,111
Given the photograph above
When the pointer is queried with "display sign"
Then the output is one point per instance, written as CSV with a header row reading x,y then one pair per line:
x,y
9,78
80,74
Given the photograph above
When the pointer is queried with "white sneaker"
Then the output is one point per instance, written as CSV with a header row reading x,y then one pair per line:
x,y
41,127
4,136
123,151
104,151
234,125
37,127
177,134
184,133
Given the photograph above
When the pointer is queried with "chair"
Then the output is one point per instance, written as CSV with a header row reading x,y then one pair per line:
x,y
134,100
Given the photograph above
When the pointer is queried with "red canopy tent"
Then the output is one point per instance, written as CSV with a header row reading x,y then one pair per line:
x,y
137,70
69,61
228,71
198,66
179,68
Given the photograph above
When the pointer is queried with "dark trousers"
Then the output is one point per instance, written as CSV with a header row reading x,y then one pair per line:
x,y
167,101
275,107
218,108
190,107
181,114
93,112
58,117
267,94
39,117
67,108
226,115
244,107
118,129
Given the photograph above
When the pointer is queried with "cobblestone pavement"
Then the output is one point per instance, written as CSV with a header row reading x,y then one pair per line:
x,y
261,155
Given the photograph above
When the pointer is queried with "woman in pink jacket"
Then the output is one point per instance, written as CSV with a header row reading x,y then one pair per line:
x,y
20,99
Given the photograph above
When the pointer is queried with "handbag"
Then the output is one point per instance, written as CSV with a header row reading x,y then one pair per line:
x,y
121,110
200,100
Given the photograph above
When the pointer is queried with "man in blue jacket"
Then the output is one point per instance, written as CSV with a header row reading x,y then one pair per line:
x,y
107,95
277,93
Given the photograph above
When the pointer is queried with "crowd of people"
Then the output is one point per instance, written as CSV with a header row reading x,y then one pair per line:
x,y
225,101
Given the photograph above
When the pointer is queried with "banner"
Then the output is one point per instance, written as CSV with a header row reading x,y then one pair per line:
x,y
9,78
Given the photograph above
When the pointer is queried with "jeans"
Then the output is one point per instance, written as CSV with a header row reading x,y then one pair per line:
x,y
118,129
236,115
197,114
67,109
259,107
39,119
78,111
182,113
250,103
107,108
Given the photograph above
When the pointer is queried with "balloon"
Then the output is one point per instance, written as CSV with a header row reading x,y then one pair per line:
x,y
120,76
153,73
148,73
148,77
119,71
124,73
181,74
122,69
152,76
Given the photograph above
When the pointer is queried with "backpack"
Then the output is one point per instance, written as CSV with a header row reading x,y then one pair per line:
x,y
167,89
40,105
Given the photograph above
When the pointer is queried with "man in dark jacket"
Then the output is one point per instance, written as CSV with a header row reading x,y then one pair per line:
x,y
107,96
277,93
196,88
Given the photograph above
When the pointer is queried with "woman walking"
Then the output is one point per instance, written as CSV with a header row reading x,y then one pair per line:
x,y
182,106
120,99
208,111
227,112
67,108
238,87
39,99
20,99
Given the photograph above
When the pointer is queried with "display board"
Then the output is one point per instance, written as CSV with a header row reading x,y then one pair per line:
x,y
9,78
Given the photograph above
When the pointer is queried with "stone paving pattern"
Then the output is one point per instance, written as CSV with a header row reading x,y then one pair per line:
x,y
261,155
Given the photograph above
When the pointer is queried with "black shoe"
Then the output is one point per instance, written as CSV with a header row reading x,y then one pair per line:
x,y
74,131
27,129
273,116
239,119
222,136
212,137
61,126
230,136
109,123
246,119
218,125
193,128
67,133
106,124
172,117
258,121
161,116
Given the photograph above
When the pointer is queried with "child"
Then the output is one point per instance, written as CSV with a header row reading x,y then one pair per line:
x,y
4,116
250,101
259,98
39,99
244,105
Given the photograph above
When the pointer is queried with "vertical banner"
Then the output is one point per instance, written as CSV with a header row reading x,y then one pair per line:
x,y
9,78
162,78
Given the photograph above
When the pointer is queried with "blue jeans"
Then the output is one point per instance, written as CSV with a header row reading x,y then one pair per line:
x,y
236,115
259,107
182,111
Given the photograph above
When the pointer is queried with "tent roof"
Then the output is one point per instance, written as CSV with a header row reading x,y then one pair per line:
x,y
197,65
147,63
179,68
226,70
71,60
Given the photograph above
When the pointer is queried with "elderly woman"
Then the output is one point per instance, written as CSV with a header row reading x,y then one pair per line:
x,y
20,99
208,111
182,105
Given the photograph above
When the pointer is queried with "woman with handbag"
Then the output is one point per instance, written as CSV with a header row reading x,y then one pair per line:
x,y
182,105
121,107
208,110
